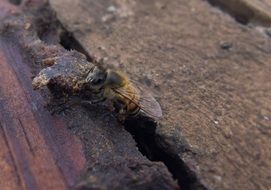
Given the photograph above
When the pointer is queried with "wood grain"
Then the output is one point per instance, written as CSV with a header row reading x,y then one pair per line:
x,y
38,152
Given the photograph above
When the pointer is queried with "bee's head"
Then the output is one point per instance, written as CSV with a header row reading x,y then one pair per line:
x,y
96,77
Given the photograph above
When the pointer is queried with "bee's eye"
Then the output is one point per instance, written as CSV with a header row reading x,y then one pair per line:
x,y
96,81
96,77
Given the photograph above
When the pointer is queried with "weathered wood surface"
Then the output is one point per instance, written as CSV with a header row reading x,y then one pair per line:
x,y
41,151
37,151
211,74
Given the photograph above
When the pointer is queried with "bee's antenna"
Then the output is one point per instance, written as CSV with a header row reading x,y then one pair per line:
x,y
99,62
101,67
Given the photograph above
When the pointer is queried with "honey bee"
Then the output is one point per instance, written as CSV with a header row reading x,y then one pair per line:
x,y
128,98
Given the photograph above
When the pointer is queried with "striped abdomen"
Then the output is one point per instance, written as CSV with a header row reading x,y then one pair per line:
x,y
128,95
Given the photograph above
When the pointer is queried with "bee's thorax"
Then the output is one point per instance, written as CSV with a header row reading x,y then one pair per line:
x,y
116,79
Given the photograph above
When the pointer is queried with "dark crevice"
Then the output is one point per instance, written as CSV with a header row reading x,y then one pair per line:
x,y
150,145
46,24
68,41
15,2
51,31
238,10
143,131
141,128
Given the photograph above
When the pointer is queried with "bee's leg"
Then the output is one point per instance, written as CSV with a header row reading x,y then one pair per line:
x,y
94,101
122,114
121,118
111,106
106,115
109,113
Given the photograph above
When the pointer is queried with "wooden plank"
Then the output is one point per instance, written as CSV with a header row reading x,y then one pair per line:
x,y
41,149
9,175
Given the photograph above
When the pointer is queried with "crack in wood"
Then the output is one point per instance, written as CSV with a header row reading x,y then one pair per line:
x,y
26,138
245,11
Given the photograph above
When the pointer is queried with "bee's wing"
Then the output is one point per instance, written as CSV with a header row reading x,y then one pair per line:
x,y
147,102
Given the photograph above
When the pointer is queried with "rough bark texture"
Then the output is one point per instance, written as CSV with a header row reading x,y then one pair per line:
x,y
211,75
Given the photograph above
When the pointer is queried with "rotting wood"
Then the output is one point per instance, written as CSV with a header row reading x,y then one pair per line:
x,y
37,149
32,134
215,99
